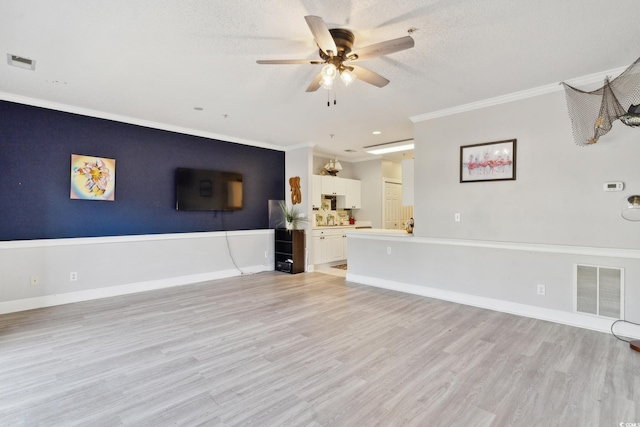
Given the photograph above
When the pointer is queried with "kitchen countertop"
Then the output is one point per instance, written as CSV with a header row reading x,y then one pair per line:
x,y
356,225
323,227
382,232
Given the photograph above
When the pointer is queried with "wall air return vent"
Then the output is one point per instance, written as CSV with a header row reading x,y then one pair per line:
x,y
599,291
19,61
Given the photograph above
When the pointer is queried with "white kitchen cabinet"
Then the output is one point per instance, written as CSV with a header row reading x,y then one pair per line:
x,y
327,184
340,186
321,246
348,191
329,245
332,185
337,246
316,192
353,195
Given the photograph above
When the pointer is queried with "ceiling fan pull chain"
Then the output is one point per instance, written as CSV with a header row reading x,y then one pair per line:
x,y
328,103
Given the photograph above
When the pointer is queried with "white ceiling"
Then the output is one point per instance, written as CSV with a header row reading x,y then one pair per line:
x,y
153,61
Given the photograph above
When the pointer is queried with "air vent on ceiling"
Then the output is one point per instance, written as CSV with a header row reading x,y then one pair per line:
x,y
599,291
19,61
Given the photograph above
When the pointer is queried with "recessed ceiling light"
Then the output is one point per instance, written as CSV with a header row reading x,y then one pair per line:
x,y
390,147
376,132
18,61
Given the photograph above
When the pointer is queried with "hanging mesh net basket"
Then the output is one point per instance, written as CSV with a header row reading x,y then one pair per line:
x,y
592,113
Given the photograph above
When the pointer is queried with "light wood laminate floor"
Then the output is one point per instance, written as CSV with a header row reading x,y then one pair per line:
x,y
305,350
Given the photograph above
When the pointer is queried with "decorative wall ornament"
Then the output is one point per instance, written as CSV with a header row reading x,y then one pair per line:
x,y
592,113
296,193
92,178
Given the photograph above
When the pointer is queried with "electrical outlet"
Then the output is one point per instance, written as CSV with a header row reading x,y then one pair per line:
x,y
266,254
35,280
388,250
456,217
542,290
73,276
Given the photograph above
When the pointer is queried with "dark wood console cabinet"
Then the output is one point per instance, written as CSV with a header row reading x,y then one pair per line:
x,y
289,250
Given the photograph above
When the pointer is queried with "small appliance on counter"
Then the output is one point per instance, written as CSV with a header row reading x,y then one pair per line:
x,y
343,218
329,203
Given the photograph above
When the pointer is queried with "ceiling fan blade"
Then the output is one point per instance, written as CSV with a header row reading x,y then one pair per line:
x,y
315,84
369,76
288,61
382,48
321,34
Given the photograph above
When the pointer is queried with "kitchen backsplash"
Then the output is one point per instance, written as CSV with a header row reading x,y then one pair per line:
x,y
330,218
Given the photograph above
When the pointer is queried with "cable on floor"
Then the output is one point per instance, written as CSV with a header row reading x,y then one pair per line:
x,y
625,321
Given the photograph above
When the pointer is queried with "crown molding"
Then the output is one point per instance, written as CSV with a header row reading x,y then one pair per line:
x,y
516,96
298,146
4,96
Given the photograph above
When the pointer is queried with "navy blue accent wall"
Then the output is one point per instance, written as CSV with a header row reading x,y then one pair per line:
x,y
35,162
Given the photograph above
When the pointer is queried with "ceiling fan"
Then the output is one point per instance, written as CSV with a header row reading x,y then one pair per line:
x,y
335,52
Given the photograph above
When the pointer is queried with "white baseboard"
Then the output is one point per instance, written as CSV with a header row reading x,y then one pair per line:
x,y
129,288
557,316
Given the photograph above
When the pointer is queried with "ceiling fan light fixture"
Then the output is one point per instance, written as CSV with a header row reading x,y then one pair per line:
x,y
334,48
347,76
328,74
326,83
329,71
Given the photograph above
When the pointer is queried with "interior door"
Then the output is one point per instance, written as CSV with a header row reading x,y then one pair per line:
x,y
392,205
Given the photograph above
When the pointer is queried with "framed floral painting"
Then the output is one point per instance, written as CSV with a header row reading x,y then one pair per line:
x,y
93,178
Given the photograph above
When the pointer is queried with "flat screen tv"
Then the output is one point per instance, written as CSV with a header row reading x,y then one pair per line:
x,y
207,190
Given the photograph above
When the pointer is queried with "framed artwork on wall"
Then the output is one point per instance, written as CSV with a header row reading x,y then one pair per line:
x,y
92,178
491,161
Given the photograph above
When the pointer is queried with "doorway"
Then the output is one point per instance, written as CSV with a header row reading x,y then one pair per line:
x,y
394,214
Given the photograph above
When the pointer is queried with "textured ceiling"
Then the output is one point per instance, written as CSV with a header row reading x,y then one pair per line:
x,y
153,61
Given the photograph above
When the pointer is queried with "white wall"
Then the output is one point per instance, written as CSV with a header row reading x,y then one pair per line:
x,y
498,276
392,170
557,199
299,162
557,196
109,266
370,175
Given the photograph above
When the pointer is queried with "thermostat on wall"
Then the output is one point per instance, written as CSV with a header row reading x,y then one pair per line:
x,y
613,186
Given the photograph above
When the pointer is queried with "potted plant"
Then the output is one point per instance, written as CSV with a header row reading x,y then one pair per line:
x,y
292,215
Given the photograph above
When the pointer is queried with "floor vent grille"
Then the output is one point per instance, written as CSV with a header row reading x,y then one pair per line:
x,y
599,291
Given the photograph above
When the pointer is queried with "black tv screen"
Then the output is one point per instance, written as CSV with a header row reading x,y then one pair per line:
x,y
207,190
